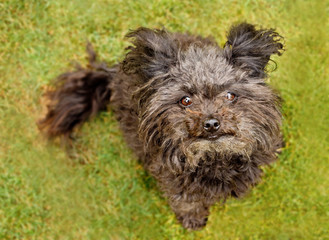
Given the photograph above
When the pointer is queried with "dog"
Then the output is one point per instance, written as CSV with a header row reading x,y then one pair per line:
x,y
201,118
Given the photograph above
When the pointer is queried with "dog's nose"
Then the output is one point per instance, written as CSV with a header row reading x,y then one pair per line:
x,y
211,125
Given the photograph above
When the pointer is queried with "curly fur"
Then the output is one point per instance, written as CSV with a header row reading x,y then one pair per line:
x,y
194,167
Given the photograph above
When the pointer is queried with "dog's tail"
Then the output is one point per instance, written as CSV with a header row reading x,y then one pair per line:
x,y
77,96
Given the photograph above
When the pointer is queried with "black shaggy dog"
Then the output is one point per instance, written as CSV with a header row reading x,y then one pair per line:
x,y
201,118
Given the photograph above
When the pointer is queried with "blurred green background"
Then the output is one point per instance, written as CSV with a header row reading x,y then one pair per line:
x,y
101,192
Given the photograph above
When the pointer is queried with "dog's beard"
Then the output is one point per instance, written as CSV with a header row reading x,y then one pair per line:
x,y
183,152
203,152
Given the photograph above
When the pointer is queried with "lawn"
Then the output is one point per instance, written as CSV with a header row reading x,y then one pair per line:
x,y
98,190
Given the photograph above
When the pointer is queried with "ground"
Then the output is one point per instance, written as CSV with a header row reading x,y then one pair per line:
x,y
98,190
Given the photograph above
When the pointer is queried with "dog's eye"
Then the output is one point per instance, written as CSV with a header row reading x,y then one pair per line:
x,y
186,101
231,97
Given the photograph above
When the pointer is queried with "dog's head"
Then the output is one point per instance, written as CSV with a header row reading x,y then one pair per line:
x,y
201,103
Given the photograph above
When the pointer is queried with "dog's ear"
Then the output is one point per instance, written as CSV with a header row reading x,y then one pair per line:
x,y
153,52
251,49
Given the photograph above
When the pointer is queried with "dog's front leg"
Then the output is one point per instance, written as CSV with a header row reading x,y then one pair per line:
x,y
192,215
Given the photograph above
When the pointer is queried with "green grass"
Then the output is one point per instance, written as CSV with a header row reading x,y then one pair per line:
x,y
44,194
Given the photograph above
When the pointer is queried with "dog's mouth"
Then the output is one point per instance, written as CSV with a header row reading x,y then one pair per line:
x,y
214,137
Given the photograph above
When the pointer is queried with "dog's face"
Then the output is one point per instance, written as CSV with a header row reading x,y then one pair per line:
x,y
201,103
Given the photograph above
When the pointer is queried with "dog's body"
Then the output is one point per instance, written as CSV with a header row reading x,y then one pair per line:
x,y
200,118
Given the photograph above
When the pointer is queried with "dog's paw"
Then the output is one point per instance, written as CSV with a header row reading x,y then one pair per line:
x,y
194,223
